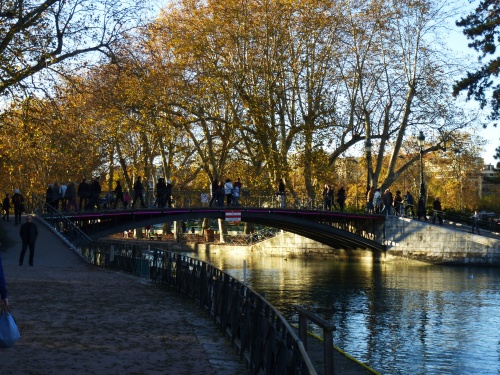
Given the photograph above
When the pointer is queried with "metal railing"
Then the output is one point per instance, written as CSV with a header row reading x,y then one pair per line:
x,y
186,198
64,227
260,334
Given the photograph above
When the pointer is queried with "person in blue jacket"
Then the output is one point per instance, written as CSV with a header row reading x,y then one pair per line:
x,y
3,289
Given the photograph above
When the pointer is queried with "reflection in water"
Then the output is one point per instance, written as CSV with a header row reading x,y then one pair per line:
x,y
397,318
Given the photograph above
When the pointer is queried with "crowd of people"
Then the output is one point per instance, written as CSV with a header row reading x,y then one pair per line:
x,y
402,205
225,191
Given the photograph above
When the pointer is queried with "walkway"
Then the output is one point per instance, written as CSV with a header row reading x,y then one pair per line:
x,y
77,319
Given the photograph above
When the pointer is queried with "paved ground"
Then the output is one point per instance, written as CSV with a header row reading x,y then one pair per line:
x,y
76,319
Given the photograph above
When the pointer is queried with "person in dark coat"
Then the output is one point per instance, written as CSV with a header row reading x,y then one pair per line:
x,y
95,193
83,193
341,198
215,188
29,234
6,207
18,202
161,191
119,194
421,209
138,190
436,205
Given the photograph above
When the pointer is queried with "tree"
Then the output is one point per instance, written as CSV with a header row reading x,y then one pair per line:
x,y
482,28
41,35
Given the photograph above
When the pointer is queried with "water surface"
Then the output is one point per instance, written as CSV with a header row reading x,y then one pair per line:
x,y
398,318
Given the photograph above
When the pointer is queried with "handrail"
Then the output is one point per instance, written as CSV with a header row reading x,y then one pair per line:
x,y
327,327
182,198
64,227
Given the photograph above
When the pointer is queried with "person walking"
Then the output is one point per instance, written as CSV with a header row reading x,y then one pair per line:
x,y
71,197
64,198
6,207
228,191
421,209
29,234
387,201
3,289
398,203
281,193
341,198
436,205
409,204
94,194
18,202
475,223
119,194
83,193
237,186
56,195
138,189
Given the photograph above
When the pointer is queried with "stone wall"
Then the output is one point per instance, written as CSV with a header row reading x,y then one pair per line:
x,y
432,243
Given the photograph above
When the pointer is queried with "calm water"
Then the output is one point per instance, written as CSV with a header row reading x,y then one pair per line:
x,y
397,318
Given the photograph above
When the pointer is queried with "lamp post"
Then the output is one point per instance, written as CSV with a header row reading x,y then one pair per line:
x,y
421,141
368,149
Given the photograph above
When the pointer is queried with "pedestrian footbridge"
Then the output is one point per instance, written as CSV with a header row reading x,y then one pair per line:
x,y
340,230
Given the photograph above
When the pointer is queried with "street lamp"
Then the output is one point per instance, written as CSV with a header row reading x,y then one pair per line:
x,y
421,141
368,149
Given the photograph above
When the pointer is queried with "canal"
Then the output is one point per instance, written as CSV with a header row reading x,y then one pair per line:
x,y
398,318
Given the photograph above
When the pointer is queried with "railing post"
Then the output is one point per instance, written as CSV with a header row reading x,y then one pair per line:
x,y
303,329
328,329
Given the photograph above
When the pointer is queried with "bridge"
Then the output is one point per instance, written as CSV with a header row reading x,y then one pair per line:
x,y
340,230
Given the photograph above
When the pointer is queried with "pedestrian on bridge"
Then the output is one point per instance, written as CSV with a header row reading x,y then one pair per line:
x,y
29,234
421,209
387,200
83,193
409,204
138,189
236,192
71,197
328,193
119,194
228,191
341,198
436,205
214,189
475,223
281,194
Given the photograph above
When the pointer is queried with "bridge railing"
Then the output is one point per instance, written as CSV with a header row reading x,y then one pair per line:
x,y
185,198
260,334
64,227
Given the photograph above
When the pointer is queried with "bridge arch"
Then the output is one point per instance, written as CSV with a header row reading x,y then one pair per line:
x,y
322,226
